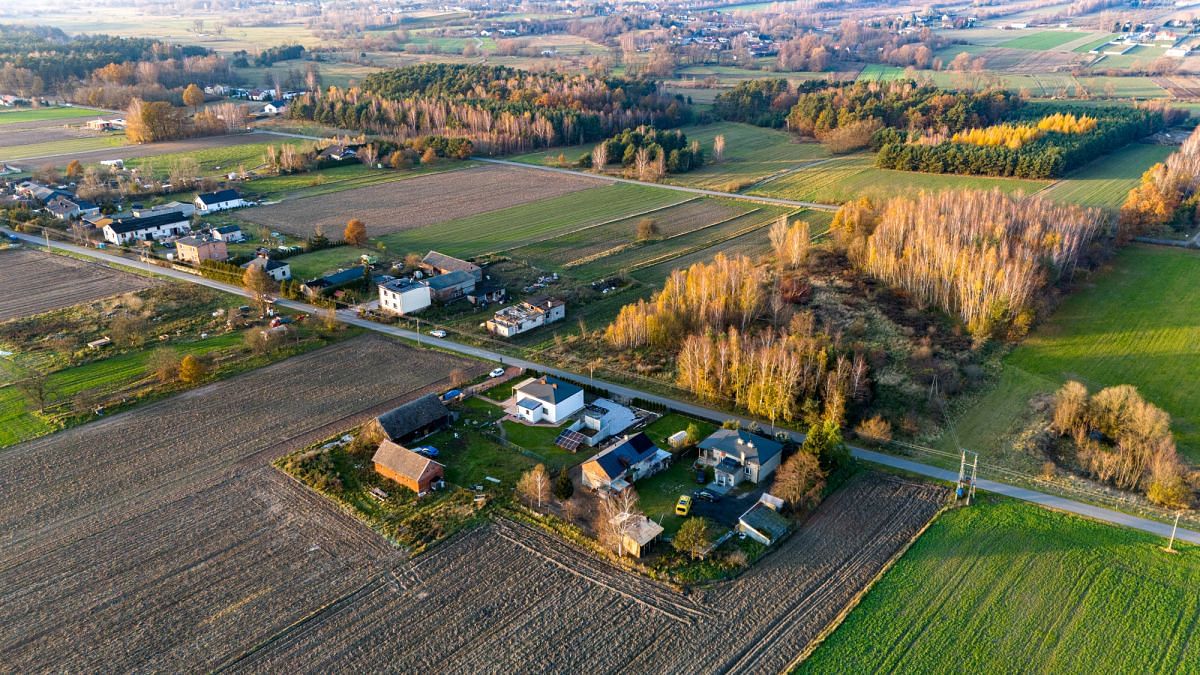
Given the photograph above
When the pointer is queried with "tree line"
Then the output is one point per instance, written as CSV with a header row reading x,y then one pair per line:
x,y
1167,193
648,151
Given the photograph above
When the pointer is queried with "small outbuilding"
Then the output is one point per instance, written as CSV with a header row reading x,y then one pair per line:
x,y
763,522
415,472
413,420
639,534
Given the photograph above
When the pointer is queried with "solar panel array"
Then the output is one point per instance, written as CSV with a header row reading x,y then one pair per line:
x,y
570,440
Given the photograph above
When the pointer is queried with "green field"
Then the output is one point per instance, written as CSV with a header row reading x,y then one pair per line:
x,y
1047,39
1107,181
16,115
1135,323
1007,587
1094,44
505,229
335,179
62,148
224,158
311,265
844,178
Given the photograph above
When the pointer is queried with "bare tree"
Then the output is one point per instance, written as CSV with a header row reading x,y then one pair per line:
x,y
600,156
256,281
534,486
617,516
719,147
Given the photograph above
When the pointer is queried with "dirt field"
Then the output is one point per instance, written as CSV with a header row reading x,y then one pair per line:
x,y
508,598
35,282
160,539
412,203
42,131
148,150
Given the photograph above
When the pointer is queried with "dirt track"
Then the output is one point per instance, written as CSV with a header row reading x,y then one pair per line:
x,y
32,282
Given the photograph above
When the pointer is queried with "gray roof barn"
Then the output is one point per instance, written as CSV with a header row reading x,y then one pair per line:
x,y
414,419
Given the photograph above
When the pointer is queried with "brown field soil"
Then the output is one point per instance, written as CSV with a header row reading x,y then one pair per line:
x,y
1180,86
416,202
519,600
42,131
161,540
145,150
1028,61
34,282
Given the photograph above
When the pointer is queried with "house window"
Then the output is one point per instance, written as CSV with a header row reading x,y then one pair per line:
x,y
747,469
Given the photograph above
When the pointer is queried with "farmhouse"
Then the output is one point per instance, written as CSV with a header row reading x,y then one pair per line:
x,y
187,209
763,522
231,234
439,263
546,399
413,420
160,226
601,419
337,153
275,269
198,249
401,296
624,464
450,286
65,208
738,455
526,316
415,472
329,282
221,200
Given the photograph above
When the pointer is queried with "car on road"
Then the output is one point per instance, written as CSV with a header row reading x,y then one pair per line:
x,y
706,496
438,333
496,373
683,506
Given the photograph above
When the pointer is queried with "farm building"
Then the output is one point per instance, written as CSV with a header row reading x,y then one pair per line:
x,y
159,226
438,263
401,296
624,464
526,316
275,269
415,472
487,293
763,522
65,208
737,455
415,419
451,285
601,419
198,249
188,209
639,534
231,234
546,399
337,153
220,200
329,282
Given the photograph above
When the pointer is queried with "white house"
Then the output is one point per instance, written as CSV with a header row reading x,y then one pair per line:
x,y
273,109
219,201
401,296
159,226
230,234
546,399
736,455
601,419
275,269
526,316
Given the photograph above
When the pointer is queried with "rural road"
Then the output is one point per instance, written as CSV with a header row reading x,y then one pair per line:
x,y
350,318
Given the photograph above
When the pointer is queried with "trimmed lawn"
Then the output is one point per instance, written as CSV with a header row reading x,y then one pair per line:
x,y
1107,181
662,428
1094,44
1004,586
19,115
659,493
224,159
312,265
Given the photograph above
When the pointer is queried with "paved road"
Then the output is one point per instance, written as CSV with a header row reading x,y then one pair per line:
x,y
678,188
350,318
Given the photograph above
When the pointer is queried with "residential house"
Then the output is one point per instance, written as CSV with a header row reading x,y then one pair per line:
x,y
276,269
546,399
487,293
198,249
159,226
333,281
401,296
601,419
274,109
526,316
415,472
208,202
230,234
65,208
625,463
186,208
737,455
337,153
438,263
638,533
411,421
98,125
450,286
763,522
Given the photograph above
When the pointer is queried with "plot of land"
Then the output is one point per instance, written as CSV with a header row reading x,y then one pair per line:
x,y
34,282
1046,39
39,114
417,202
483,598
160,538
1106,182
1008,587
192,147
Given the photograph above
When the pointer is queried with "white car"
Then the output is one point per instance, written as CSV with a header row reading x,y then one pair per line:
x,y
496,373
439,333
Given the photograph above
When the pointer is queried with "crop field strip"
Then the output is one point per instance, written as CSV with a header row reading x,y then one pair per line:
x,y
1106,182
48,114
518,600
158,153
67,146
160,537
34,282
418,202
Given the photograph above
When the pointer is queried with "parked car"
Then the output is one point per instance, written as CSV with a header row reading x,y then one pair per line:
x,y
706,496
438,333
683,506
496,373
427,450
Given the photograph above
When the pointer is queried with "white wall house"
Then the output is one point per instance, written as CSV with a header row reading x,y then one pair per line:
x,y
160,226
221,200
275,269
401,296
546,399
230,234
526,316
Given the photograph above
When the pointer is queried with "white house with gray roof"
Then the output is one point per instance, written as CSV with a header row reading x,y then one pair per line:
x,y
546,399
737,455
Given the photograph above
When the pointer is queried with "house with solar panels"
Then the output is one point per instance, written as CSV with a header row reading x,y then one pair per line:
x,y
546,400
625,463
601,419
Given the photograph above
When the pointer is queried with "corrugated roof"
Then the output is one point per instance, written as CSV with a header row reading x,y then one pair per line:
x,y
412,416
125,225
762,518
403,461
217,197
455,278
448,263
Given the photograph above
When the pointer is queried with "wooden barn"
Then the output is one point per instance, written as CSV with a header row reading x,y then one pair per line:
x,y
412,420
415,472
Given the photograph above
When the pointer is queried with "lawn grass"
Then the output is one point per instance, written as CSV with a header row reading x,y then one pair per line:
x,y
1135,323
18,115
318,263
1004,586
1094,44
224,158
62,147
661,429
503,229
658,494
1042,40
844,178
1106,182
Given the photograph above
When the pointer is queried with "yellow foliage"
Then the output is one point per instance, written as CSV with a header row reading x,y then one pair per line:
x,y
1067,123
1011,136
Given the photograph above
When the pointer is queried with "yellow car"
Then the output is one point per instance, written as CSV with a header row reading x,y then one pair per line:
x,y
683,506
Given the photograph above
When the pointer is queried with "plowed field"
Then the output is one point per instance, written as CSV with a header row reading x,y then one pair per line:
x,y
33,282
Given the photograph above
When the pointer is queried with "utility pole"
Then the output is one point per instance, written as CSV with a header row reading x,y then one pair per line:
x,y
1171,544
966,487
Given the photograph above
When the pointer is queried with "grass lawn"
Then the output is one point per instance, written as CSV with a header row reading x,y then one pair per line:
x,y
661,429
503,229
225,158
843,178
1136,323
659,493
1041,40
16,422
1004,586
1107,181
62,147
312,265
327,181
1094,44
17,115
